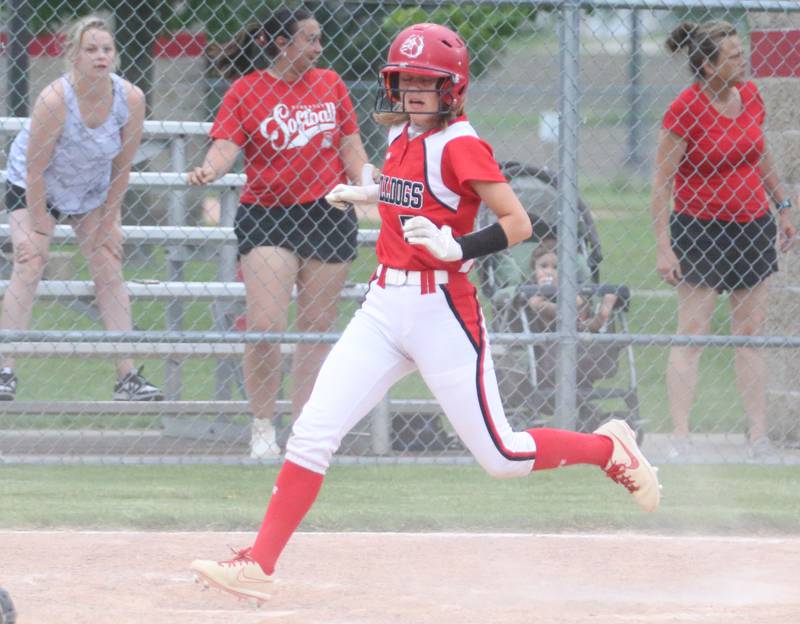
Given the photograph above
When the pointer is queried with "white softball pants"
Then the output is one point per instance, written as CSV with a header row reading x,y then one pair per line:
x,y
397,330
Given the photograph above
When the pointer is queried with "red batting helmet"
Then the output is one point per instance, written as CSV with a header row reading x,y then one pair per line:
x,y
430,50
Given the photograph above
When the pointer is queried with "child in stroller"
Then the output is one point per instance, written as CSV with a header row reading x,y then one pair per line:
x,y
522,303
544,273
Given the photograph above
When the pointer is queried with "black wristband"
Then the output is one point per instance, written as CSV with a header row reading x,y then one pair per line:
x,y
483,242
783,205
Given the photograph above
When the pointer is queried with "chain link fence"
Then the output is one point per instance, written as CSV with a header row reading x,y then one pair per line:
x,y
571,95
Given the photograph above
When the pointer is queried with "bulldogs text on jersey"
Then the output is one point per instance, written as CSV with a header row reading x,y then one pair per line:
x,y
402,193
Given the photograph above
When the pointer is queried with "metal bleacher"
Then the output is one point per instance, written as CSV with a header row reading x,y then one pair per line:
x,y
225,295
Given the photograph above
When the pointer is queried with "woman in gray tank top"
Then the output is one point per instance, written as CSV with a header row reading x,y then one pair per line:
x,y
72,162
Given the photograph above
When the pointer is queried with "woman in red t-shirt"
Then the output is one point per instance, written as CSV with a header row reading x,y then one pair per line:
x,y
296,126
721,236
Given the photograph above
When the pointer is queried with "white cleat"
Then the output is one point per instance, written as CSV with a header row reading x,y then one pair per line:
x,y
240,576
628,465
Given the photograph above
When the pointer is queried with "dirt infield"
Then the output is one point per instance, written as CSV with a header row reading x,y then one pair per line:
x,y
135,578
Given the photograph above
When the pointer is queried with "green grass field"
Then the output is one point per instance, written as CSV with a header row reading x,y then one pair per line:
x,y
724,499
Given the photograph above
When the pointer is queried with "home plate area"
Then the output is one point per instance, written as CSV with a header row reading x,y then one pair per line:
x,y
377,578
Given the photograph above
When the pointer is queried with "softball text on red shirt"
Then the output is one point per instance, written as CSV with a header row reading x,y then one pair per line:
x,y
289,127
290,134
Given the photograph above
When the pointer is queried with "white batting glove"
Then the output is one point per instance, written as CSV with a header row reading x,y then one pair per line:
x,y
346,196
440,242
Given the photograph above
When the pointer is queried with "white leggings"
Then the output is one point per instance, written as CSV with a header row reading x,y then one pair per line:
x,y
396,330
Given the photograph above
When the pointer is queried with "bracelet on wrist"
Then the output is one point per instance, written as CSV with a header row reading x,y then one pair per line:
x,y
783,205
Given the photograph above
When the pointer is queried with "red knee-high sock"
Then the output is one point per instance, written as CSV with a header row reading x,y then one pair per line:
x,y
555,447
295,491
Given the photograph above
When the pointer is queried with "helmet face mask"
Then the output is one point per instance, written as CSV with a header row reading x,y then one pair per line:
x,y
390,96
428,50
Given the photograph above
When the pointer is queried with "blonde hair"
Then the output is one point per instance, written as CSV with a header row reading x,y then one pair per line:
x,y
75,36
395,118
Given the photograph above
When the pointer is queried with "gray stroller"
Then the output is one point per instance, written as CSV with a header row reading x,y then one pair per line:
x,y
526,373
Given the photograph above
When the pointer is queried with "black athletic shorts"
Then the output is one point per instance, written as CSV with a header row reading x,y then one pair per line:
x,y
725,255
313,231
15,200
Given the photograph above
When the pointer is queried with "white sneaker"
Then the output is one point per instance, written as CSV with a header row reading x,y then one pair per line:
x,y
680,449
134,387
628,465
240,576
262,440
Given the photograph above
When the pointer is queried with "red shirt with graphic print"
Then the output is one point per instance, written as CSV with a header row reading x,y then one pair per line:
x,y
290,134
720,175
430,175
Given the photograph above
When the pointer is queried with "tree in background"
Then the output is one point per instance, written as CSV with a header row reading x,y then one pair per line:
x,y
358,34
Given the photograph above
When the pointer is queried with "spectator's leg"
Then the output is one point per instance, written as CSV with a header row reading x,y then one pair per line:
x,y
319,286
695,308
25,276
105,269
748,313
269,275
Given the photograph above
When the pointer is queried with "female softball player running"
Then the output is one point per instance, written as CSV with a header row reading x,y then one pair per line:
x,y
421,311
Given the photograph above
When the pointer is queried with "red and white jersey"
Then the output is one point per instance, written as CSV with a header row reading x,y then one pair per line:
x,y
430,176
290,134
